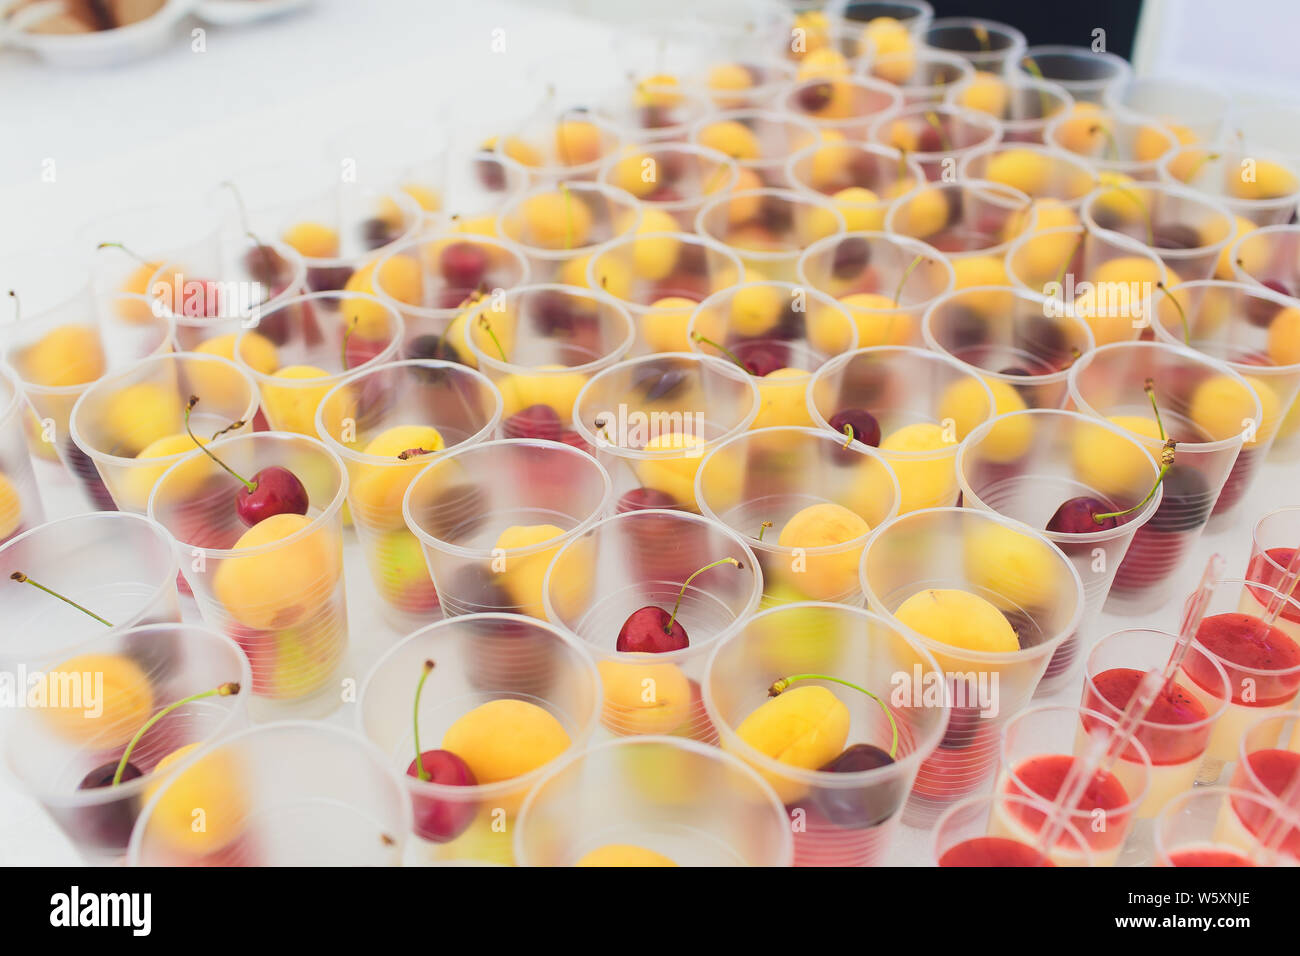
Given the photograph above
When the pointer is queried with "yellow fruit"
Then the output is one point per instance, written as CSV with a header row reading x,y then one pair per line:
x,y
967,404
524,573
1109,463
1018,569
377,490
642,697
925,213
1223,269
732,138
893,45
654,257
822,64
1152,142
140,414
280,587
558,389
1144,425
427,197
986,93
400,277
504,739
1011,437
879,320
958,619
292,408
781,399
11,507
624,854
1120,199
1284,337
659,90
257,351
673,476
133,491
204,806
1023,169
578,143
521,152
1222,408
96,701
804,727
925,482
64,356
972,271
861,208
663,327
555,220
826,576
313,240
1270,180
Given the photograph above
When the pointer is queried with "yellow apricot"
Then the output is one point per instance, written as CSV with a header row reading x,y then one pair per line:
x,y
643,697
524,573
555,220
425,196
578,142
400,277
64,356
966,403
781,398
557,388
1010,438
133,491
1022,169
755,309
1222,407
879,320
279,587
257,352
985,93
1223,269
959,619
804,727
925,213
673,476
1109,463
521,152
140,414
925,482
97,701
11,507
217,785
861,208
1284,337
832,575
624,854
663,327
1018,569
292,408
1270,180
506,738
312,240
732,138
377,490
653,257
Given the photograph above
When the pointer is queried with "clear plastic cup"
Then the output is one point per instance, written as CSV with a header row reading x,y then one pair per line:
x,y
1086,74
1039,746
1205,827
270,801
130,426
936,135
849,106
1195,111
119,566
1247,329
861,179
989,46
364,419
885,281
20,501
620,801
304,347
643,558
654,108
1025,107
1040,172
1273,541
827,47
962,549
652,420
556,145
962,834
99,692
1176,743
1261,187
768,229
1116,143
491,516
914,15
1026,464
1011,337
1187,230
659,277
501,660
840,817
805,499
925,404
479,182
742,79
672,178
1108,383
780,333
1269,257
560,226
276,588
1268,760
758,140
922,75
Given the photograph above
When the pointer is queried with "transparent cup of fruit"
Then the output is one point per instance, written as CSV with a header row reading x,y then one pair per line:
x,y
491,516
827,49
646,800
884,281
427,408
560,226
651,421
671,177
936,135
130,426
758,140
382,154
848,105
913,15
1027,464
1187,230
479,181
555,145
1105,277
541,692
1268,760
300,350
275,587
269,793
1040,172
846,792
924,404
1119,145
20,501
118,566
768,229
659,278
1273,541
639,559
962,578
780,333
97,694
964,833
988,45
1259,186
1268,256
1086,74
861,179
1195,111
1177,730
655,109
1271,126
540,345
1039,747
1025,107
1256,333
746,81
1221,827
922,75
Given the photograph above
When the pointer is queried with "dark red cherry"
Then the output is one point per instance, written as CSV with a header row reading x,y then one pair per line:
x,y
647,631
857,808
1175,236
463,265
431,346
815,97
865,427
1075,516
376,232
102,776
491,174
266,265
106,825
276,491
442,820
852,255
535,421
762,358
1260,311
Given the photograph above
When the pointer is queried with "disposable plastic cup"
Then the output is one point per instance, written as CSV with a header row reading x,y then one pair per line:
x,y
1040,172
507,670
962,549
1085,74
914,15
382,155
652,109
20,501
671,179
962,834
479,181
828,47
849,106
1261,187
491,516
428,408
759,140
644,558
555,145
560,226
922,75
1218,826
277,587
1273,541
764,78
1195,111
841,816
935,135
1268,761
1115,143
1269,256
989,46
130,426
1108,383
768,229
95,695
1025,107
861,179
925,404
269,794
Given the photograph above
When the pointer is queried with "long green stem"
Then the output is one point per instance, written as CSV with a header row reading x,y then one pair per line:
x,y
696,337
1166,462
228,689
486,326
932,118
1149,386
1182,315
24,579
1112,147
668,628
907,274
420,772
347,334
776,689
1065,263
189,407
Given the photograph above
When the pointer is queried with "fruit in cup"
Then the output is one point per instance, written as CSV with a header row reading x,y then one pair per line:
x,y
312,240
663,327
879,319
1022,169
1272,180
103,716
140,414
804,727
377,490
556,220
985,93
966,404
826,575
924,482
276,589
217,785
652,630
624,854
400,277
1223,408
1110,463
550,385
1284,336
859,808
292,407
439,820
523,575
1018,569
505,738
959,619
11,507
257,351
644,697
401,574
674,476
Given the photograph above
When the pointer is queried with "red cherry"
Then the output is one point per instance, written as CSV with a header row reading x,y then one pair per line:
x,y
1075,516
276,491
650,630
640,498
442,820
463,265
865,427
535,421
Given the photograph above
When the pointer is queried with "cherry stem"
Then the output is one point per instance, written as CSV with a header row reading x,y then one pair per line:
x,y
420,772
779,686
134,255
243,222
189,407
848,432
932,118
907,274
347,334
21,578
1065,263
1112,147
413,453
762,529
239,423
486,326
1030,64
981,36
668,628
1182,315
228,689
1149,386
1196,167
18,310
696,337
1166,462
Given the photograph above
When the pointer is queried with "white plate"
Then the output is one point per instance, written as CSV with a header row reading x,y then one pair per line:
x,y
103,47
